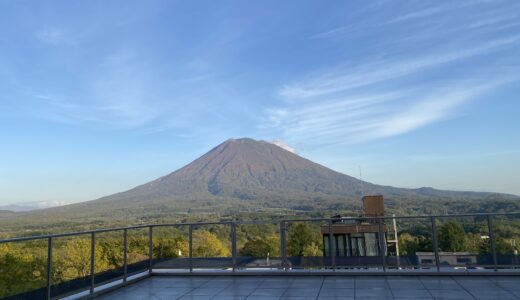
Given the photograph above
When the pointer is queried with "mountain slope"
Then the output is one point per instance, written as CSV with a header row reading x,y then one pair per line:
x,y
251,170
245,173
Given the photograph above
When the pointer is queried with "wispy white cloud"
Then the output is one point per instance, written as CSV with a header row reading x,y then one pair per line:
x,y
283,145
426,12
362,119
338,80
329,33
379,98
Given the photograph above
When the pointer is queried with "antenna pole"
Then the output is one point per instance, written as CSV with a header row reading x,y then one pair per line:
x,y
361,183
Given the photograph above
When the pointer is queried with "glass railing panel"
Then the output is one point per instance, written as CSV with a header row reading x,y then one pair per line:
x,y
109,256
462,242
171,247
258,246
70,264
414,246
212,246
23,272
138,258
507,241
305,245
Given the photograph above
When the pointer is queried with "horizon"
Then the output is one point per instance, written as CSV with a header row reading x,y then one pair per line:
x,y
98,98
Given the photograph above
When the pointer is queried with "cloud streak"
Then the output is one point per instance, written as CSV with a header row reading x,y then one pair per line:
x,y
362,119
391,94
349,78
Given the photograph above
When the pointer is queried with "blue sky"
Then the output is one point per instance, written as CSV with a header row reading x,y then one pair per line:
x,y
99,96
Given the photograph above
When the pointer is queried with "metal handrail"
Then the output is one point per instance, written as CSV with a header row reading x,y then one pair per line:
x,y
57,235
233,226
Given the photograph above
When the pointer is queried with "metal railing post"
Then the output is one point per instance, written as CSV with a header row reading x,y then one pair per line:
x,y
125,256
283,245
493,241
435,244
332,247
234,245
190,236
49,267
92,261
150,248
382,242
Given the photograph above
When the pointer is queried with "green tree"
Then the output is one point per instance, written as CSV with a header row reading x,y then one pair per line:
x,y
302,236
22,269
206,244
72,260
410,244
255,247
452,237
312,249
260,247
171,248
503,246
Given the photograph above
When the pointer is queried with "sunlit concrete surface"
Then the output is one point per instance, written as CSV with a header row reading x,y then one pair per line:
x,y
320,287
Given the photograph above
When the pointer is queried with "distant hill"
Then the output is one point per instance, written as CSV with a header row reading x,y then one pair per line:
x,y
18,208
249,174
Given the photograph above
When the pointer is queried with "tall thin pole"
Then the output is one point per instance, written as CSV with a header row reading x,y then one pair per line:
x,y
150,248
283,245
493,241
332,247
190,233
125,256
382,242
49,267
92,261
234,245
435,243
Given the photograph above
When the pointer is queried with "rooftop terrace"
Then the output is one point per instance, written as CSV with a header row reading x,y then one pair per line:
x,y
210,261
319,287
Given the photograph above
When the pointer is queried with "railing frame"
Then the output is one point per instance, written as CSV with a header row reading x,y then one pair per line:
x,y
435,243
283,241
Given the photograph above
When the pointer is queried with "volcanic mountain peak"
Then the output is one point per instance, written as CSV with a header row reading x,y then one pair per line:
x,y
249,174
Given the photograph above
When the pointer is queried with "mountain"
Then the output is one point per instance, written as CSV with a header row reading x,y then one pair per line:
x,y
252,175
252,170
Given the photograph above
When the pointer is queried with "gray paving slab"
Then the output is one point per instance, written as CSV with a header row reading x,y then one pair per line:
x,y
319,288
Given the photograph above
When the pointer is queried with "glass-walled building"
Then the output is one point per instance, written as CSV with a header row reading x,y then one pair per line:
x,y
358,237
354,240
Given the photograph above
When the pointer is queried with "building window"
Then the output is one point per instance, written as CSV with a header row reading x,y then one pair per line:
x,y
372,244
463,260
340,245
358,245
326,248
426,261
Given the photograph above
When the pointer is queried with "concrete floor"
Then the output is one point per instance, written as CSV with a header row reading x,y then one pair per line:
x,y
320,287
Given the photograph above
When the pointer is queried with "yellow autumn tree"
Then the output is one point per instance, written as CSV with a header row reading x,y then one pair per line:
x,y
206,244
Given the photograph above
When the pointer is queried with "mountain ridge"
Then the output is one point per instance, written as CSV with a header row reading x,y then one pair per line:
x,y
250,174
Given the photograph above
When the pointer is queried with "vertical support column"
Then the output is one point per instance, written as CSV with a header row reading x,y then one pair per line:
x,y
190,230
382,242
283,245
125,256
49,267
332,247
150,248
493,241
234,245
435,243
92,261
